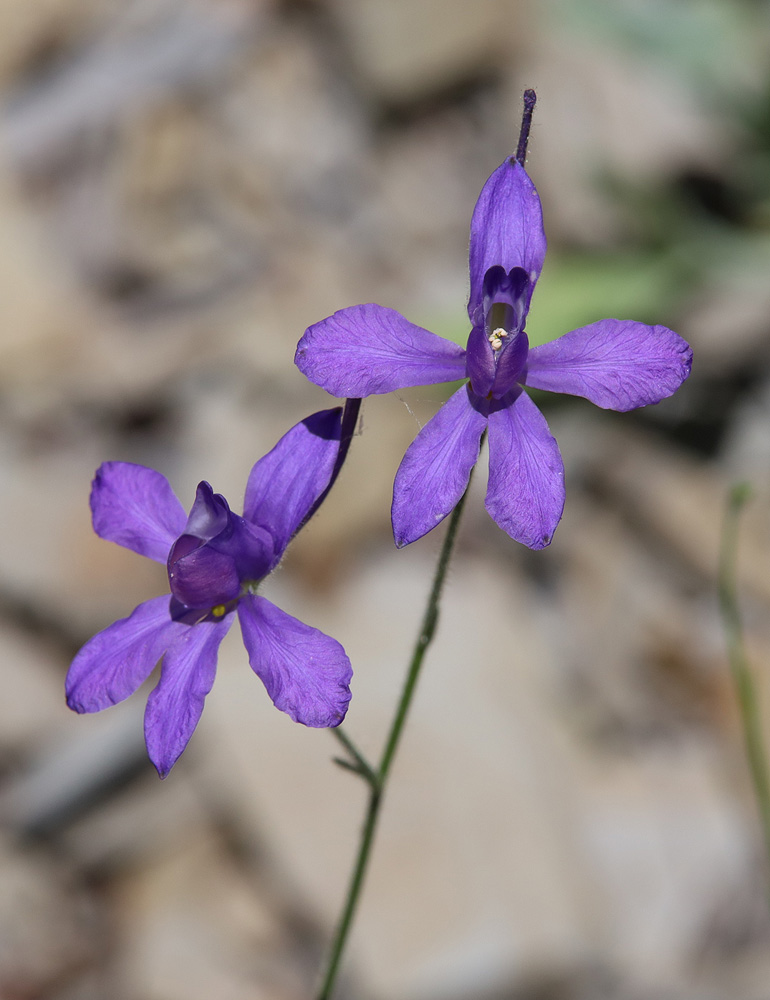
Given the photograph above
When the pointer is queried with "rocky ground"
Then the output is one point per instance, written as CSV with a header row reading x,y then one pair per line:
x,y
185,185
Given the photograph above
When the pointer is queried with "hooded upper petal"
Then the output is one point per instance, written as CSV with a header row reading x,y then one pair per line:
x,y
617,364
306,673
175,705
369,349
217,551
284,485
506,231
435,470
136,507
113,664
525,495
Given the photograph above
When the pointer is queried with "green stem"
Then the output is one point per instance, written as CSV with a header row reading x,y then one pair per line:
x,y
377,778
751,721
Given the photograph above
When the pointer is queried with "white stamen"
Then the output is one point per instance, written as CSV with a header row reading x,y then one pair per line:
x,y
496,338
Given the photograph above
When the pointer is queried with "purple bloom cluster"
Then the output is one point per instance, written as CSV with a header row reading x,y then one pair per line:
x,y
215,561
617,364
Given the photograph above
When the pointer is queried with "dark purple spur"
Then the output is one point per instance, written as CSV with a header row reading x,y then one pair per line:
x,y
216,561
617,364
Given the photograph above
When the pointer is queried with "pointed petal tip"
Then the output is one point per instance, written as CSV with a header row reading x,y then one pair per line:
x,y
163,771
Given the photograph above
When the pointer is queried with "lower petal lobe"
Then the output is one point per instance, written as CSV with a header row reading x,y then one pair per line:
x,y
435,470
617,364
368,349
175,705
306,673
113,664
525,495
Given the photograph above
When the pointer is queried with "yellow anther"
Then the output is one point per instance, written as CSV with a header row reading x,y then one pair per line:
x,y
218,611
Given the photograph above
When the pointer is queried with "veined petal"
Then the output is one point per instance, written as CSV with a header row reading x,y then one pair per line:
x,y
285,484
435,470
506,231
113,664
525,495
617,364
306,673
136,507
369,349
186,677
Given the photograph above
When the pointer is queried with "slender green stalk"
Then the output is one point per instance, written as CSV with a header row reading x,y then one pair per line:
x,y
377,778
751,721
358,763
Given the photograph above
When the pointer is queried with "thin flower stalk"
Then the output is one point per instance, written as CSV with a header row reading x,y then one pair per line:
x,y
377,778
743,678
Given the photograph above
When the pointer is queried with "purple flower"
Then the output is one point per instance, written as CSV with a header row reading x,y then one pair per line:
x,y
215,561
617,364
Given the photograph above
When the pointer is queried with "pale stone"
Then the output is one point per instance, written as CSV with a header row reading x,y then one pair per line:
x,y
490,860
407,47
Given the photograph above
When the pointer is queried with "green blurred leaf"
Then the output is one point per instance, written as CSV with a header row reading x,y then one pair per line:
x,y
576,290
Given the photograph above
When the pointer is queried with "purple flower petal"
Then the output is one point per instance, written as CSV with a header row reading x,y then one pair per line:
x,y
199,576
113,664
306,673
217,551
617,364
435,470
510,364
136,507
210,514
285,484
506,231
525,495
369,349
186,677
480,362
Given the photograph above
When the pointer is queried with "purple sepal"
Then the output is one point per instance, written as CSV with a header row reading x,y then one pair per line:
x,y
525,495
435,470
113,664
480,362
136,507
175,705
506,231
284,485
617,364
369,349
306,673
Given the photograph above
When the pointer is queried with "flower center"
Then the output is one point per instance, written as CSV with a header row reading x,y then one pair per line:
x,y
496,338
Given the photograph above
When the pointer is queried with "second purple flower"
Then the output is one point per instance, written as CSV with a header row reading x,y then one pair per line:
x,y
216,561
617,364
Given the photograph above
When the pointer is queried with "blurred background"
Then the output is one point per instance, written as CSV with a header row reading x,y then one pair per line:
x,y
185,185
